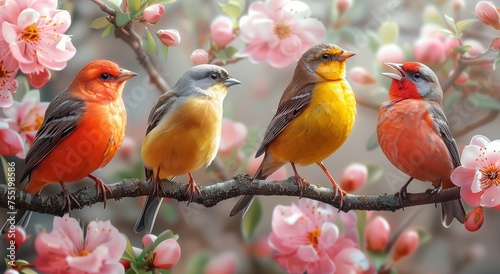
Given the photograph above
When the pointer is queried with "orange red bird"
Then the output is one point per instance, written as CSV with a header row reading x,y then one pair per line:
x,y
413,132
83,128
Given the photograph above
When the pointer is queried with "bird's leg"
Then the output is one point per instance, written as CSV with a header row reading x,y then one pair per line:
x,y
100,185
436,191
403,192
67,198
336,187
300,181
158,186
191,188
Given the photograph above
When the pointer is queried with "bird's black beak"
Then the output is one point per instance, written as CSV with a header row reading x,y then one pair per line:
x,y
125,75
231,82
397,67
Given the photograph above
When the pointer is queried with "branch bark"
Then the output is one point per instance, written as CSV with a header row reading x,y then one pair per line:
x,y
241,184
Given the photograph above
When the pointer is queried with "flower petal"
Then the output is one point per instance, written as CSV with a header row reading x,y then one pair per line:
x,y
307,253
91,262
329,235
471,155
463,177
479,140
27,17
491,197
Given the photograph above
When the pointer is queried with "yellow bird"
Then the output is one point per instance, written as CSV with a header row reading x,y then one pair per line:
x,y
183,133
314,117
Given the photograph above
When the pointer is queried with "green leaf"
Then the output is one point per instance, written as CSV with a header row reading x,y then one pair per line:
x,y
99,23
133,269
423,235
233,8
197,264
451,99
462,49
389,32
129,253
463,24
27,270
135,6
116,3
484,102
251,219
221,55
150,44
378,258
230,52
164,271
108,30
496,64
450,22
164,2
361,226
122,18
372,142
164,52
375,172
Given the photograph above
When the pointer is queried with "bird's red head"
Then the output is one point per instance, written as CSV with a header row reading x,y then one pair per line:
x,y
413,80
100,80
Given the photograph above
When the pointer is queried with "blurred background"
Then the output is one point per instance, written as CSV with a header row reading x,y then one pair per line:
x,y
209,231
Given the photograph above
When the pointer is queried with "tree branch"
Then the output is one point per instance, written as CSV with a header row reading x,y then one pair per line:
x,y
241,184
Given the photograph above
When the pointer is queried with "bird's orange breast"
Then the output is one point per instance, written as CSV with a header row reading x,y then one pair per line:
x,y
92,145
321,128
412,142
185,139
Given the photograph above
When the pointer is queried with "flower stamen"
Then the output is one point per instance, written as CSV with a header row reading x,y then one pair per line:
x,y
30,33
313,237
490,176
282,31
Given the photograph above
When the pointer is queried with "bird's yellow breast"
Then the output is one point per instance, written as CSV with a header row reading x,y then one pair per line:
x,y
185,139
321,128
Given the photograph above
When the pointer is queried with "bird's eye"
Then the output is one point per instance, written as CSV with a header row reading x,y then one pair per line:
x,y
104,76
214,76
325,57
417,75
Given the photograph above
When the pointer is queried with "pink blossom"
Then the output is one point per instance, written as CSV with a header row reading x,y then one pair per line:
x,y
169,37
254,163
64,250
153,13
429,50
11,142
233,136
390,53
307,240
406,244
126,150
225,263
221,31
488,14
479,174
199,57
8,83
34,32
279,32
166,254
476,47
496,44
361,76
343,5
474,219
377,233
450,44
354,177
27,116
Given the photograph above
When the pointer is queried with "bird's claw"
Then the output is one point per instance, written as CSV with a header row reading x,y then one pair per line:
x,y
191,188
100,186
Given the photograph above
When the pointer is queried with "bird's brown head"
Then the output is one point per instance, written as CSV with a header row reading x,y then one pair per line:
x,y
101,81
324,62
413,80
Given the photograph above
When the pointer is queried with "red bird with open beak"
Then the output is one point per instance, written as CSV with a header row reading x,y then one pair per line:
x,y
414,135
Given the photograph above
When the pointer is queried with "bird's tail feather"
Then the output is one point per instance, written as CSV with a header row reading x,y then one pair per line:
x,y
451,210
148,215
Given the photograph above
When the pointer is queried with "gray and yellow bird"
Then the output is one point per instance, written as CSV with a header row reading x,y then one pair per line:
x,y
183,133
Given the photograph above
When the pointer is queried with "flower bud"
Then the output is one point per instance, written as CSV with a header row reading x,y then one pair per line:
x,y
221,31
125,263
362,76
476,47
354,177
406,244
377,233
390,53
166,254
199,57
457,5
474,219
462,78
169,37
16,237
153,13
496,44
343,5
488,14
225,263
429,50
148,239
389,32
127,148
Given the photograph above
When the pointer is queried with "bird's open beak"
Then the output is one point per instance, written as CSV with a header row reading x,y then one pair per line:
x,y
231,82
125,75
346,55
397,67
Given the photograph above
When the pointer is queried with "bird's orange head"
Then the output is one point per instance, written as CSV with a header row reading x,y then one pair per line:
x,y
100,81
324,60
413,80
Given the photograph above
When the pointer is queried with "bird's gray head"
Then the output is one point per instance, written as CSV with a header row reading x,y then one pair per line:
x,y
204,80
